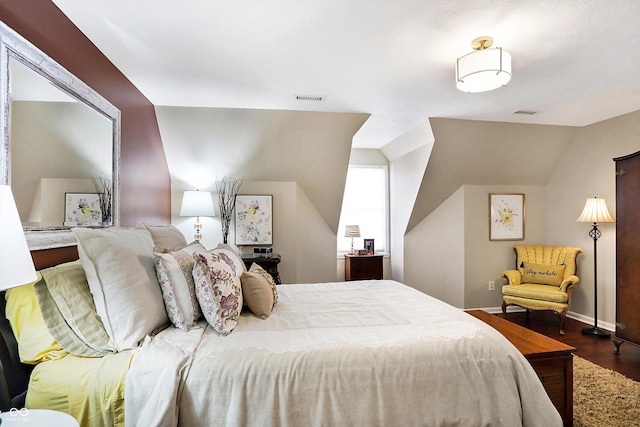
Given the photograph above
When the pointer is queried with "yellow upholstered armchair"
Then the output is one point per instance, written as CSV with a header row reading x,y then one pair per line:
x,y
543,280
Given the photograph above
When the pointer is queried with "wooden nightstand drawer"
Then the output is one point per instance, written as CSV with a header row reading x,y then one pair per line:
x,y
362,267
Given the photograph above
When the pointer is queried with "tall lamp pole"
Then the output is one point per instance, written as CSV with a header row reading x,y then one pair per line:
x,y
595,211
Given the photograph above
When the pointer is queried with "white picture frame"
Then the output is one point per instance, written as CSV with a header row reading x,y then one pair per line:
x,y
506,216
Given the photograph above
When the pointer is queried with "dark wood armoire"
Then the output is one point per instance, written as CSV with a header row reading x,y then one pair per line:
x,y
627,250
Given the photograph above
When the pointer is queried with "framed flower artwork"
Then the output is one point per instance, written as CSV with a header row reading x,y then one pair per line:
x,y
254,219
82,209
506,216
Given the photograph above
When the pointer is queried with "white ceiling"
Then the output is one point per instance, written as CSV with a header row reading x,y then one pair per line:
x,y
575,62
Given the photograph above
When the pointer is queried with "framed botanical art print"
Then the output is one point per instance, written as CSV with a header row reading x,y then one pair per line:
x,y
506,216
254,220
82,209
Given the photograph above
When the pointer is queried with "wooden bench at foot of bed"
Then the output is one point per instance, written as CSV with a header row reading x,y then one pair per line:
x,y
551,359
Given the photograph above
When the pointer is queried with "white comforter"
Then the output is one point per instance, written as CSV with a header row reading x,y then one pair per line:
x,y
371,353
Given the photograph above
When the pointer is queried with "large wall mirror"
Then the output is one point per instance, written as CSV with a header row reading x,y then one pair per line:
x,y
60,148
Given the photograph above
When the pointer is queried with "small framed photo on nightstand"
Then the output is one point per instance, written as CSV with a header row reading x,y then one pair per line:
x,y
368,246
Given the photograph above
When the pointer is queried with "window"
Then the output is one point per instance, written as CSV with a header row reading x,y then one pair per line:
x,y
365,204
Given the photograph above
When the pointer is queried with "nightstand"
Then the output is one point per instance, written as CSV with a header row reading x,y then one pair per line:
x,y
362,267
267,261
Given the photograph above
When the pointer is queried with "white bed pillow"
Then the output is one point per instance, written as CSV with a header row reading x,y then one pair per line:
x,y
218,290
174,269
122,278
164,236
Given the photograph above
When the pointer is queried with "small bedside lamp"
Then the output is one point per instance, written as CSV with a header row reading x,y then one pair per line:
x,y
16,265
352,231
197,203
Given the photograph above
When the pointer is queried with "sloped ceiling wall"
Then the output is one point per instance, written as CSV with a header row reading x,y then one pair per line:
x,y
310,148
487,153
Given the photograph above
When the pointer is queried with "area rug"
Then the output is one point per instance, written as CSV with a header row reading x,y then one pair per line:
x,y
602,397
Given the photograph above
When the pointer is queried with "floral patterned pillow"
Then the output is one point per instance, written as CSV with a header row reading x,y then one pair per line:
x,y
174,269
233,257
218,290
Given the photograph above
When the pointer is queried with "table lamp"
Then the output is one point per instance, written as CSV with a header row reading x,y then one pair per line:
x,y
16,265
197,203
352,231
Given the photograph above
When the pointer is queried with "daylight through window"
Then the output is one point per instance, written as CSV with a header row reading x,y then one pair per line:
x,y
365,204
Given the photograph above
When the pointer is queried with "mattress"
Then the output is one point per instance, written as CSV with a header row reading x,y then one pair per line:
x,y
367,353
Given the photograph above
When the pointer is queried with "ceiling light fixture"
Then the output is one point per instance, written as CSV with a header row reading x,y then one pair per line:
x,y
484,69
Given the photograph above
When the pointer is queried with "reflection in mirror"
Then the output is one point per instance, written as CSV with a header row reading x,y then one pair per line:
x,y
58,144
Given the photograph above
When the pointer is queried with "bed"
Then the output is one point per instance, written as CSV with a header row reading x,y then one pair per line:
x,y
360,353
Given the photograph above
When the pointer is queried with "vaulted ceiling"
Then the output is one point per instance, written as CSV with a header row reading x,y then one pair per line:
x,y
574,62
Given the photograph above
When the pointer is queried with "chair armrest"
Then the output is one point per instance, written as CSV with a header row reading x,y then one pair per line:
x,y
569,283
513,277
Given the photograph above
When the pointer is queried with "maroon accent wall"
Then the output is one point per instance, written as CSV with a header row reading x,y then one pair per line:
x,y
145,183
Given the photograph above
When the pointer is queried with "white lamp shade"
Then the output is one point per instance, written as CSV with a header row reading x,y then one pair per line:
x,y
595,210
352,231
16,265
197,203
483,70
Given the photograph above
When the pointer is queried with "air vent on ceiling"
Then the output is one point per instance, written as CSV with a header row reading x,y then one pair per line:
x,y
526,112
315,98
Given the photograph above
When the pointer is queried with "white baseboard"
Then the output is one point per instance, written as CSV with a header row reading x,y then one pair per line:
x,y
570,314
589,320
498,310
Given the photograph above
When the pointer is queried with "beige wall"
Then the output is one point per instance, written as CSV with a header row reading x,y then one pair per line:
x,y
300,235
468,152
434,260
583,168
405,175
309,148
448,253
299,157
485,259
587,170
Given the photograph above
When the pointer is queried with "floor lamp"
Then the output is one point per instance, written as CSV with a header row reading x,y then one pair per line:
x,y
595,211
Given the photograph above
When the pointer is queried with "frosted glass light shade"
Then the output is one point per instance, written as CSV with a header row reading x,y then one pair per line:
x,y
197,203
483,70
16,265
595,210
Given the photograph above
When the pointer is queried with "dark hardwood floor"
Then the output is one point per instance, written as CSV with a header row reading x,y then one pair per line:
x,y
595,349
